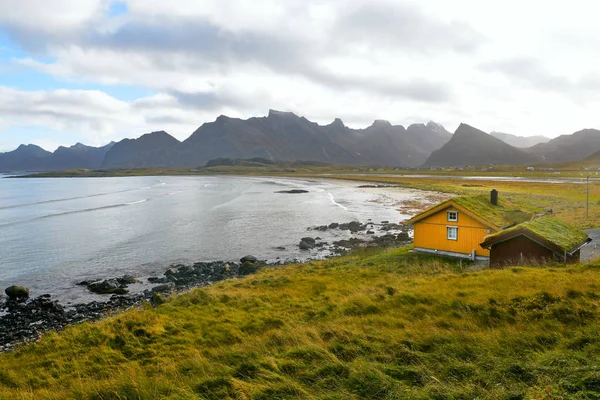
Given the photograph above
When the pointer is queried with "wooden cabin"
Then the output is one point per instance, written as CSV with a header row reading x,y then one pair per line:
x,y
539,241
458,226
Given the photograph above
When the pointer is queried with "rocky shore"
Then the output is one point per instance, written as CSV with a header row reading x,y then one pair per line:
x,y
24,320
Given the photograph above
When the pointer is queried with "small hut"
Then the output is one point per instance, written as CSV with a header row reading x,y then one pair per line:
x,y
538,241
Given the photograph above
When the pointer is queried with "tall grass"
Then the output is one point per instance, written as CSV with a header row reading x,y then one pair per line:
x,y
378,324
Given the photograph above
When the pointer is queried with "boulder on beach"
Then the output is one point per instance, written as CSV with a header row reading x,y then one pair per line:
x,y
308,240
167,287
293,191
108,286
17,292
403,236
248,258
126,280
306,245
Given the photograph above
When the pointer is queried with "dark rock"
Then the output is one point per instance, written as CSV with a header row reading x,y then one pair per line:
x,y
280,248
370,233
166,287
353,226
403,236
293,191
17,292
385,222
126,280
185,271
308,240
351,243
251,259
334,225
108,286
303,245
156,279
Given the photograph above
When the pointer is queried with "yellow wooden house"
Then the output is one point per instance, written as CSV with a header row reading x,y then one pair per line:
x,y
458,226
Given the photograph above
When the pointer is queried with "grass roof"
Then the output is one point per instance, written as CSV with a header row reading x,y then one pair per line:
x,y
501,215
553,230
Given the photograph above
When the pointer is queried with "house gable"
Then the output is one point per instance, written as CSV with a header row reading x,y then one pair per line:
x,y
450,205
431,231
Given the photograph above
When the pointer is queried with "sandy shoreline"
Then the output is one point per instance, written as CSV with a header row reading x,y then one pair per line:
x,y
407,201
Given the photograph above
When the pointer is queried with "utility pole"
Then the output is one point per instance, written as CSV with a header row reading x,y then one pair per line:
x,y
587,196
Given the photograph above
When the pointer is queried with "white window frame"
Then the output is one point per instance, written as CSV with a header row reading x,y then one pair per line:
x,y
448,216
452,229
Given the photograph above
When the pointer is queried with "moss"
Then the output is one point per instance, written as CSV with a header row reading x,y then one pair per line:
x,y
551,229
503,214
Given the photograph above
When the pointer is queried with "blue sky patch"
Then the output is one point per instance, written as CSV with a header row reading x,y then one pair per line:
x,y
117,8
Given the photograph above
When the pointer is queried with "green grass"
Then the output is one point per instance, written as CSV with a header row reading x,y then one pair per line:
x,y
379,324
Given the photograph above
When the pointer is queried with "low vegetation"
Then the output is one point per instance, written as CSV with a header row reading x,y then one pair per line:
x,y
567,200
378,324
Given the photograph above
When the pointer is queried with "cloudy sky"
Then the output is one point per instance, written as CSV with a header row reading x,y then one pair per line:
x,y
99,70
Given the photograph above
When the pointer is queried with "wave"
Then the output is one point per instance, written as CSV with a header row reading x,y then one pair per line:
x,y
336,203
136,202
36,203
85,210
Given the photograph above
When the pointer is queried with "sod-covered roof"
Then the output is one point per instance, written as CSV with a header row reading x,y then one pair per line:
x,y
501,215
559,233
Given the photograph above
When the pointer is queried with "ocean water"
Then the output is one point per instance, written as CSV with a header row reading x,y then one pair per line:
x,y
56,232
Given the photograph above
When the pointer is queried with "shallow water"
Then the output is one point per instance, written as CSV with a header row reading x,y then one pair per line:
x,y
55,232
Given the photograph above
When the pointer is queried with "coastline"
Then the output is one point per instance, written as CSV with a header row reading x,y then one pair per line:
x,y
27,321
391,195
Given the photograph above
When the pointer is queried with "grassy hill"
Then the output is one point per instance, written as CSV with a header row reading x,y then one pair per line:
x,y
380,324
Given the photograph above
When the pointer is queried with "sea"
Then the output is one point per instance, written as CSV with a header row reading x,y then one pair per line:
x,y
56,232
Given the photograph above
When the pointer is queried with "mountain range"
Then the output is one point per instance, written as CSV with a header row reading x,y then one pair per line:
x,y
471,146
284,136
33,158
520,141
281,136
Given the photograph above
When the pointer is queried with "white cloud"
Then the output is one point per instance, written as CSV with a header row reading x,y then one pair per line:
x,y
359,60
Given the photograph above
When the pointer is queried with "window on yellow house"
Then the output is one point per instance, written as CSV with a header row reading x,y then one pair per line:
x,y
453,216
452,232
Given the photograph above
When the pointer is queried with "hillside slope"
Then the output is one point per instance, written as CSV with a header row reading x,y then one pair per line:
x,y
470,146
144,151
520,141
565,148
382,324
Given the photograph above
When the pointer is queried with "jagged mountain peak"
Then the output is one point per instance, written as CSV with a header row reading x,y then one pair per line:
x,y
466,129
383,123
276,113
435,126
337,123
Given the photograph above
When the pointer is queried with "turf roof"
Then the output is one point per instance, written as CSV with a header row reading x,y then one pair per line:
x,y
501,215
553,230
